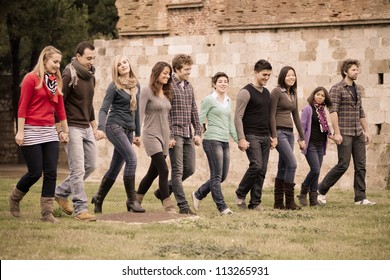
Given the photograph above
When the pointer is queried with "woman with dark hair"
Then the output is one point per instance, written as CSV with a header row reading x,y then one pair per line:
x,y
216,108
41,96
284,105
154,106
119,120
316,129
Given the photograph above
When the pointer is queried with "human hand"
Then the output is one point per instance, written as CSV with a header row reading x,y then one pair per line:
x,y
99,135
243,145
137,141
274,142
19,138
197,140
172,143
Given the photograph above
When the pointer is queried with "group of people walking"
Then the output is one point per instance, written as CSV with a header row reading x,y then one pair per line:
x,y
164,118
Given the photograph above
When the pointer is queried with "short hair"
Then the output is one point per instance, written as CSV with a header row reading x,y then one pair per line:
x,y
282,77
217,75
157,69
328,101
261,65
346,64
180,60
82,46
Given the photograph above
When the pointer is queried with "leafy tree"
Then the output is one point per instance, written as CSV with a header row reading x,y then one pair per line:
x,y
26,27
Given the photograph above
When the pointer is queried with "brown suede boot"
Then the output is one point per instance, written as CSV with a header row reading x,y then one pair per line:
x,y
139,198
279,194
289,192
313,198
47,210
168,206
302,197
14,199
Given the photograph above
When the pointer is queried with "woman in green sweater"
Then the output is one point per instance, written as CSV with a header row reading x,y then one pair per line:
x,y
216,108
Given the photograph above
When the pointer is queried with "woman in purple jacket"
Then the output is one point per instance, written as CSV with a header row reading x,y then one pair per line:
x,y
316,130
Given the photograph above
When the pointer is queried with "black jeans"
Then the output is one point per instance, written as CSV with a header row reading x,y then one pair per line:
x,y
40,157
253,180
355,146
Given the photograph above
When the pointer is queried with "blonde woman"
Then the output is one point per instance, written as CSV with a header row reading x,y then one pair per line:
x,y
119,119
40,98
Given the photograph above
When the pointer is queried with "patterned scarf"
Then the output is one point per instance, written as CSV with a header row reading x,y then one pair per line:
x,y
320,110
78,71
131,85
51,84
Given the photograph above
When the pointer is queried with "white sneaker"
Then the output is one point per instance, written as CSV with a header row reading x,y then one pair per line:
x,y
365,202
227,211
321,199
195,201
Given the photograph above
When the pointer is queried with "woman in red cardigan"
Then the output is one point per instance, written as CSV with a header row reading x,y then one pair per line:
x,y
37,136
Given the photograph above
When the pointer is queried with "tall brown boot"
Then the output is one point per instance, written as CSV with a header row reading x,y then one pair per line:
x,y
47,210
132,203
279,194
313,198
168,206
14,199
289,192
101,194
302,197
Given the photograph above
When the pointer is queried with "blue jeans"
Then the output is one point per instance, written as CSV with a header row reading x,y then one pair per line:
x,y
314,157
287,164
218,157
182,157
355,146
81,152
122,139
253,180
40,157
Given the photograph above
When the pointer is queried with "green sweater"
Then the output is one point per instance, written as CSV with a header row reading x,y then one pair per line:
x,y
219,119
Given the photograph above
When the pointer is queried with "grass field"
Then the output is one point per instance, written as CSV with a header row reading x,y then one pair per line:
x,y
338,231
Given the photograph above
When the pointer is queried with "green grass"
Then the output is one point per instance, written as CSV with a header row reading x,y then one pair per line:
x,y
338,231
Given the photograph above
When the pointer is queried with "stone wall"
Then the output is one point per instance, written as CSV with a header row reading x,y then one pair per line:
x,y
314,52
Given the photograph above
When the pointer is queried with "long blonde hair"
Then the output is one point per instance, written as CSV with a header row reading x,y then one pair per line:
x,y
131,82
40,70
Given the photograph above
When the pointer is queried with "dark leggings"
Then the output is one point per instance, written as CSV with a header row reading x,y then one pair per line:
x,y
158,167
40,157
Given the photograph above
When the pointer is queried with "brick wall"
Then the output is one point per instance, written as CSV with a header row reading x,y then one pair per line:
x,y
315,53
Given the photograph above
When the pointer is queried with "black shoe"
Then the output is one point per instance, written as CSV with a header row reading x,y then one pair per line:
x,y
186,211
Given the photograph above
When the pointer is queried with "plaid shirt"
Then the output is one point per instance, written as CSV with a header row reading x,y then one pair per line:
x,y
184,111
349,110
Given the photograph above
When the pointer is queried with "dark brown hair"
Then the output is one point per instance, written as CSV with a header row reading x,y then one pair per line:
x,y
157,69
327,102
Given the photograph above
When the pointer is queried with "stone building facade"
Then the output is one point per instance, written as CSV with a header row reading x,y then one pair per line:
x,y
231,35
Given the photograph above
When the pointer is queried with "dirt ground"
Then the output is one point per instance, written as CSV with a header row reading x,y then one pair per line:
x,y
16,171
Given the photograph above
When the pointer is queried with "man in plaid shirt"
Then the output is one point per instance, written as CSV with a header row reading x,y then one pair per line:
x,y
350,133
183,118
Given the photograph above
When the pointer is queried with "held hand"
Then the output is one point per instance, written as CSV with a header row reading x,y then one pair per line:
x,y
172,143
99,135
243,145
137,141
19,138
197,140
63,137
338,139
274,142
302,144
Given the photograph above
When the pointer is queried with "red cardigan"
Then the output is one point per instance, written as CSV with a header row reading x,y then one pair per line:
x,y
36,105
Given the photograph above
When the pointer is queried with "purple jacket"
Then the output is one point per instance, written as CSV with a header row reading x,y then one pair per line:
x,y
307,113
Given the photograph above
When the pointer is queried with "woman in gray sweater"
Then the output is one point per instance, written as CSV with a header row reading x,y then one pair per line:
x,y
155,103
